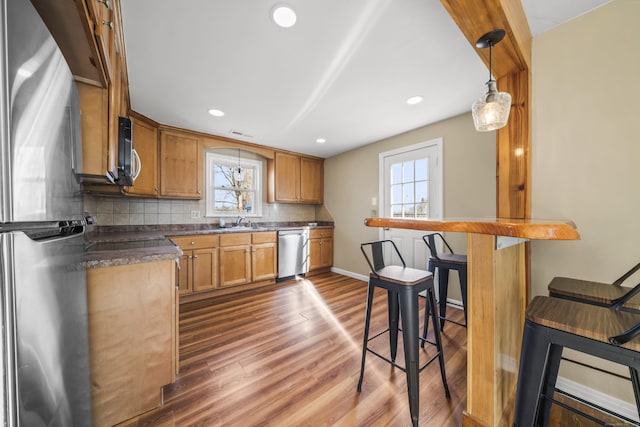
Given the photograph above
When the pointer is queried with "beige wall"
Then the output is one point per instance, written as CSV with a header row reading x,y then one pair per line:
x,y
351,180
586,152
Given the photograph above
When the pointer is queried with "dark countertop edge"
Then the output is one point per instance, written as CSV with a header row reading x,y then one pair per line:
x,y
174,229
121,258
97,259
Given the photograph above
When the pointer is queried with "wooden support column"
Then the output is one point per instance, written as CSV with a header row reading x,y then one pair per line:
x,y
499,279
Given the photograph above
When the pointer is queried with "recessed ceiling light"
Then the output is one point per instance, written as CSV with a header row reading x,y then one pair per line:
x,y
216,113
414,100
283,15
321,140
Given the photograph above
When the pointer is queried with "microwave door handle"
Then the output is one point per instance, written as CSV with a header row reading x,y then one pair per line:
x,y
138,163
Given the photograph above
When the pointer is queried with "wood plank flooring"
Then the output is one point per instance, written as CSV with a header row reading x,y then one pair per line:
x,y
289,355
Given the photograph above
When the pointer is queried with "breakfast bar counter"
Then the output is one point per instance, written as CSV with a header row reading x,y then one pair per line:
x,y
497,299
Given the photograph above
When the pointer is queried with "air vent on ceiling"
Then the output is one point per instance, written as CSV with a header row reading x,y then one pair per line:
x,y
238,133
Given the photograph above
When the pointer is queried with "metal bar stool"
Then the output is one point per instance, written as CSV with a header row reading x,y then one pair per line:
x,y
403,286
445,261
552,324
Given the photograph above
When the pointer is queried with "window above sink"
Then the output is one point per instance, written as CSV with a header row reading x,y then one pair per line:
x,y
233,186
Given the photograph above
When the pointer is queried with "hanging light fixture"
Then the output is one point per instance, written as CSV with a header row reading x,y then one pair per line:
x,y
238,173
491,110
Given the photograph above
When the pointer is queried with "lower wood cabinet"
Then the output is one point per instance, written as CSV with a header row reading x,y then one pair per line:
x,y
264,256
235,259
218,261
320,250
133,351
199,263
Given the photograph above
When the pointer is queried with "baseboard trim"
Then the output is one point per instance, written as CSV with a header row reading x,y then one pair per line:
x,y
598,398
350,274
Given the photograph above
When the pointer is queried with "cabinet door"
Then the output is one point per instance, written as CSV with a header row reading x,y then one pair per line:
x,y
235,265
320,253
287,177
326,253
264,261
181,168
311,180
184,274
145,141
315,261
205,269
94,110
103,15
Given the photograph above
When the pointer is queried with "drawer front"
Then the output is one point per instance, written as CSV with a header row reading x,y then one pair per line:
x,y
196,242
235,239
320,233
264,237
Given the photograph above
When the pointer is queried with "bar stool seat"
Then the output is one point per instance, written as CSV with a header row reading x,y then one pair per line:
x,y
403,286
597,293
552,324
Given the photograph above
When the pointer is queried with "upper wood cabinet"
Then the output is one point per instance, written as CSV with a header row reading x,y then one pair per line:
x,y
311,180
287,178
97,156
103,16
145,141
181,165
296,179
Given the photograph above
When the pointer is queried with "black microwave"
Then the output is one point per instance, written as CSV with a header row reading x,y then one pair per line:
x,y
128,160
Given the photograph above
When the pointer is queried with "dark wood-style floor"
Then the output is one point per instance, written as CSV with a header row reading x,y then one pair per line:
x,y
289,355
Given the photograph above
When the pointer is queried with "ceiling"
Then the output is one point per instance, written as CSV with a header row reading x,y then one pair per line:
x,y
342,73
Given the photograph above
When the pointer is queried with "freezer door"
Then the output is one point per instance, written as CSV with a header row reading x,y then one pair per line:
x,y
49,334
40,151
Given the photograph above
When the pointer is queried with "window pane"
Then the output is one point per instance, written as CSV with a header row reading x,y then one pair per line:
x,y
396,173
396,194
422,170
422,191
222,176
408,195
225,200
396,211
408,210
408,171
422,210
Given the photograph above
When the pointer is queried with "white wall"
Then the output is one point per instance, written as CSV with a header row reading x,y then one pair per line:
x,y
586,153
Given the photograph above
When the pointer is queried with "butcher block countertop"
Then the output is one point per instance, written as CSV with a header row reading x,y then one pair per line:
x,y
123,245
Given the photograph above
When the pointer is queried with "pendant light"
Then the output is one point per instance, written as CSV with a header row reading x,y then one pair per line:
x,y
491,110
238,173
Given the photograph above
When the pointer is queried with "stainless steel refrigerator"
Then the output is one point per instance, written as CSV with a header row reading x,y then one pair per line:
x,y
44,342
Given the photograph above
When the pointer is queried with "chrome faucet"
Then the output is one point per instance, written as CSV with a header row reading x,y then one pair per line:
x,y
239,221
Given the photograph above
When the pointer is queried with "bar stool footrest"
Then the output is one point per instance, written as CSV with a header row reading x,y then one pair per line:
x,y
589,404
402,368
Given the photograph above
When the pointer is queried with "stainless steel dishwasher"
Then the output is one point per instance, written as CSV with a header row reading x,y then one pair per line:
x,y
293,252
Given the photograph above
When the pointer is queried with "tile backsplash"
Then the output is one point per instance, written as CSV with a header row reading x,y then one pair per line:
x,y
134,211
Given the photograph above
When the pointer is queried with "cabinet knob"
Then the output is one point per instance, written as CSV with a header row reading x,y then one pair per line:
x,y
195,256
190,257
108,24
193,243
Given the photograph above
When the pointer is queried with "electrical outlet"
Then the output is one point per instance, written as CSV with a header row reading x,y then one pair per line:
x,y
195,214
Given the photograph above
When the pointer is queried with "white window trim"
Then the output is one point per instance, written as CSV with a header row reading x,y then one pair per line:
x,y
211,158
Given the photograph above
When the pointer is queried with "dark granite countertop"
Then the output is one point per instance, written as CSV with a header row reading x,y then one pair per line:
x,y
122,245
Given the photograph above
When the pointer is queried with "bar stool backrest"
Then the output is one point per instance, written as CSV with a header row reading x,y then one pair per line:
x,y
379,252
430,241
